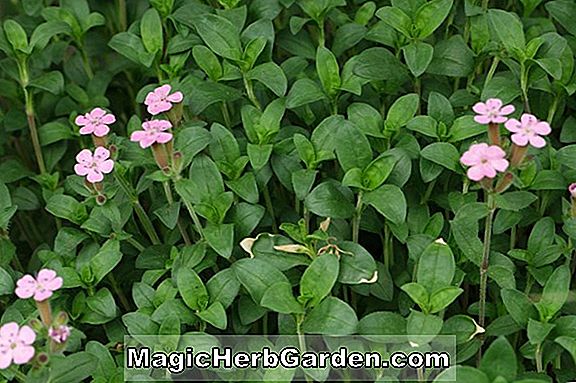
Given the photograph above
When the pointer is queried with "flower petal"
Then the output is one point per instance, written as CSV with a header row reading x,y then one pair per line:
x,y
106,166
5,359
175,97
542,128
97,113
506,110
94,176
519,139
480,108
494,103
46,275
163,91
101,130
22,354
84,156
54,284
137,136
42,294
475,173
9,332
101,153
482,119
500,165
81,169
163,138
26,335
81,120
537,142
513,125
108,119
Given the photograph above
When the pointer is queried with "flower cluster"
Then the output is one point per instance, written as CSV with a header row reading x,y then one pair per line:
x,y
486,161
17,342
157,131
93,165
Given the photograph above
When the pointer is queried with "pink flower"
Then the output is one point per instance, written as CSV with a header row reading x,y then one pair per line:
x,y
484,161
59,334
94,166
16,344
160,100
528,130
572,190
95,122
153,132
492,111
41,288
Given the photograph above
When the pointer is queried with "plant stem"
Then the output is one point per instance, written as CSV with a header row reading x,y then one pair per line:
x,y
486,260
485,264
195,218
250,92
538,355
485,4
524,86
86,63
553,108
226,114
170,198
357,218
138,209
270,208
31,118
301,339
122,19
123,300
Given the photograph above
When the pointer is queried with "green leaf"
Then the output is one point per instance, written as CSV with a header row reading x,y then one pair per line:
x,y
563,11
318,279
330,199
278,297
151,31
53,132
418,294
515,201
192,289
378,171
223,287
304,91
6,283
463,374
16,35
331,317
73,368
569,344
518,306
389,201
130,46
105,260
554,294
358,267
220,237
259,155
272,76
52,82
465,127
442,298
220,35
215,315
379,64
366,118
425,125
302,181
538,331
418,56
257,275
402,111
499,360
509,30
430,15
397,19
45,31
352,147
422,328
208,61
328,70
382,323
436,267
66,207
452,58
442,153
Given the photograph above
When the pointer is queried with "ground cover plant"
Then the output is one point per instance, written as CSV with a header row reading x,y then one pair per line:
x,y
287,167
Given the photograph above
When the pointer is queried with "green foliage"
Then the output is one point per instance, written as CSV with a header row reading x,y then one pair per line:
x,y
313,185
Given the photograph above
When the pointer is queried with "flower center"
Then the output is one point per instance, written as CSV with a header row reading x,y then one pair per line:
x,y
13,346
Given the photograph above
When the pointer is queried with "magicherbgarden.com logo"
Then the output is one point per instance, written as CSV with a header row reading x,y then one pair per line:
x,y
204,357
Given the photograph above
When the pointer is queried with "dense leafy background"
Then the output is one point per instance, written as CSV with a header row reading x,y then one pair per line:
x,y
294,111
